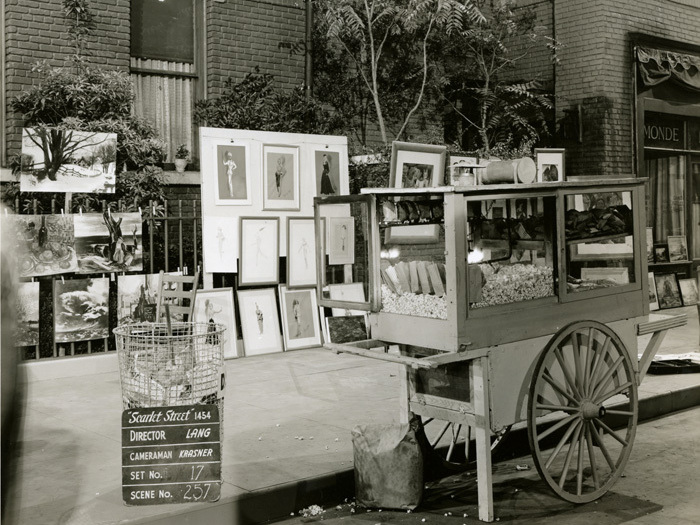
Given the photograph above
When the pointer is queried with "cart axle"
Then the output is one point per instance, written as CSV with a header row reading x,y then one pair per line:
x,y
590,410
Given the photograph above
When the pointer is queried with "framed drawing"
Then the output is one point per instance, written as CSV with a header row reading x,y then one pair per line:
x,y
301,252
550,165
667,290
81,309
280,177
689,291
348,292
347,329
259,321
300,318
417,165
661,253
331,171
220,244
341,240
233,179
653,298
212,307
677,248
78,161
259,251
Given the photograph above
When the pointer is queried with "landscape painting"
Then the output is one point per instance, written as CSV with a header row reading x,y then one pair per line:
x,y
60,160
81,309
27,320
44,244
108,242
137,298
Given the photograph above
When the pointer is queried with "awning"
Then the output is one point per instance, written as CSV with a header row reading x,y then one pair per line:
x,y
657,66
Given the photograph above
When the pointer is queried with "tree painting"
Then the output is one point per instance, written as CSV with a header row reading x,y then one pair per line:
x,y
68,161
108,242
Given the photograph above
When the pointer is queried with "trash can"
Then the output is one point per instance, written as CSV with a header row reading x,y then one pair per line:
x,y
171,364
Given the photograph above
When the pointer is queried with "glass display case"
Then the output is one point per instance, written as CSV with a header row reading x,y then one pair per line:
x,y
465,268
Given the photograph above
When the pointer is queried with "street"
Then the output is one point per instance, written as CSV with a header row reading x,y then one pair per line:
x,y
660,486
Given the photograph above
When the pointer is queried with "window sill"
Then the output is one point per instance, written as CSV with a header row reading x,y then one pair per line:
x,y
174,178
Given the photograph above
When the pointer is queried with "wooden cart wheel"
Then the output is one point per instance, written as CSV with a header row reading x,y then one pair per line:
x,y
580,440
445,444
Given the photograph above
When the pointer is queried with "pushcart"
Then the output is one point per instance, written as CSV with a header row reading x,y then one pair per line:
x,y
509,304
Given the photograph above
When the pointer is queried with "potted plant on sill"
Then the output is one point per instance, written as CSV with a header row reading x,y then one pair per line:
x,y
182,156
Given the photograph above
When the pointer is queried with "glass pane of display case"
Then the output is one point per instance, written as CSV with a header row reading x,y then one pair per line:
x,y
511,255
412,255
599,231
344,263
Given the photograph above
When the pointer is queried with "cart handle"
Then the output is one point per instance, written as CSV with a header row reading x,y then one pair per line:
x,y
363,348
657,325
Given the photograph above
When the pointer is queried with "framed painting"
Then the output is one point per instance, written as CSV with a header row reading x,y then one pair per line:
x,y
43,244
677,248
81,309
667,290
108,242
259,251
259,321
232,174
215,307
77,162
416,165
341,240
347,329
689,291
301,252
300,318
27,315
653,298
220,244
280,177
137,298
550,164
661,253
331,171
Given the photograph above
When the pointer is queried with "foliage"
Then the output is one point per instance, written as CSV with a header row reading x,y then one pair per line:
x,y
141,187
81,24
182,152
389,45
253,103
497,112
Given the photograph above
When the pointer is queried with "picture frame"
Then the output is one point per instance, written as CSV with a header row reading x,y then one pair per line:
x,y
661,253
331,171
667,290
347,329
550,164
88,322
259,321
26,329
258,251
215,306
301,251
93,233
689,291
300,318
341,240
650,245
280,177
417,165
347,292
233,186
220,244
653,298
677,248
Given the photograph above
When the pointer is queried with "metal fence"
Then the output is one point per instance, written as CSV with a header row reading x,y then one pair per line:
x,y
171,238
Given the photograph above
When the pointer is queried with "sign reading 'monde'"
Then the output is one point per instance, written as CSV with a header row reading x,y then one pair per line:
x,y
171,455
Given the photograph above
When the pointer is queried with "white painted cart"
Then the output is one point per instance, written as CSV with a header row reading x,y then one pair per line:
x,y
542,327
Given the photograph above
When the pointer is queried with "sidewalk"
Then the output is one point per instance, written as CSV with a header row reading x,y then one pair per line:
x,y
287,445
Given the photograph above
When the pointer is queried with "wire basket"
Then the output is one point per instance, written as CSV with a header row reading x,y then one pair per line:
x,y
171,365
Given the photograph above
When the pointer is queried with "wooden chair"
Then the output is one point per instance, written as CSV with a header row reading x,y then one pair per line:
x,y
177,292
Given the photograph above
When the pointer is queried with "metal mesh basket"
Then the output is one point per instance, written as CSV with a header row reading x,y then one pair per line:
x,y
162,367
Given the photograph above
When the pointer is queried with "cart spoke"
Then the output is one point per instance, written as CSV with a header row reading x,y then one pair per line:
x,y
599,359
602,399
567,373
611,432
556,386
591,456
607,377
453,442
556,408
442,433
569,455
620,412
557,426
561,443
587,363
579,473
602,447
576,354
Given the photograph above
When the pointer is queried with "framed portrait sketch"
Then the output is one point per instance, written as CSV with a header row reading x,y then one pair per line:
x,y
341,240
550,164
689,291
259,322
347,329
300,322
667,290
653,298
301,252
215,307
232,174
677,248
416,165
280,177
259,251
331,171
220,244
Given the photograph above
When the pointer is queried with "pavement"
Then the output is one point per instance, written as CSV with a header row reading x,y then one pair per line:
x,y
287,443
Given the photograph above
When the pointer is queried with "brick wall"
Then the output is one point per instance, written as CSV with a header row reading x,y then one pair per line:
x,y
36,31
